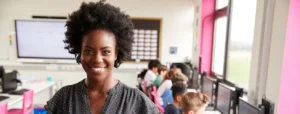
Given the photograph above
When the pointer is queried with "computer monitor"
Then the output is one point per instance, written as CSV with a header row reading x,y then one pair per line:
x,y
2,71
9,82
194,81
268,106
247,108
41,40
224,99
207,88
185,69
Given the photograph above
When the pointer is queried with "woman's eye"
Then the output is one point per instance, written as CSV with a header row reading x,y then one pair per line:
x,y
88,52
106,51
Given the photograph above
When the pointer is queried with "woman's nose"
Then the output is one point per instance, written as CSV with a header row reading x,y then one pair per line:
x,y
98,58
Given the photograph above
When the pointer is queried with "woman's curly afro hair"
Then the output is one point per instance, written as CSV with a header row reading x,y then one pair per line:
x,y
99,15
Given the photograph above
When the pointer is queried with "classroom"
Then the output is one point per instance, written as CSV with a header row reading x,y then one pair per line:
x,y
149,56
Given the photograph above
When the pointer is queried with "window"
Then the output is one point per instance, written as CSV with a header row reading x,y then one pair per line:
x,y
221,4
219,40
219,45
242,21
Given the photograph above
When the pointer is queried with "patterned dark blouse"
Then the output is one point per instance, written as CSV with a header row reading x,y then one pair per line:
x,y
73,99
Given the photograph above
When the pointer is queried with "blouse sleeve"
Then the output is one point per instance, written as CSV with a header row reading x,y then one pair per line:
x,y
145,106
55,102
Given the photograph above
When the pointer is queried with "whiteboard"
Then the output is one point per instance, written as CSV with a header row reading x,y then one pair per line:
x,y
41,39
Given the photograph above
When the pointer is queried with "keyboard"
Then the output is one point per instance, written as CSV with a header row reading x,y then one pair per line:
x,y
18,92
209,108
3,98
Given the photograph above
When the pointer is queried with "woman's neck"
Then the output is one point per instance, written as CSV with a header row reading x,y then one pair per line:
x,y
100,85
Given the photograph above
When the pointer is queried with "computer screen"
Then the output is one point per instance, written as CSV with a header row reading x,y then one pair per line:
x,y
2,71
41,39
208,87
185,69
9,82
194,81
223,98
247,108
268,106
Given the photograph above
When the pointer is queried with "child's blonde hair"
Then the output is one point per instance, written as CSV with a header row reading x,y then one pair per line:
x,y
192,101
180,77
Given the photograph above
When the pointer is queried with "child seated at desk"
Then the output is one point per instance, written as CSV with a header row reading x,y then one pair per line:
x,y
168,82
162,70
194,103
178,90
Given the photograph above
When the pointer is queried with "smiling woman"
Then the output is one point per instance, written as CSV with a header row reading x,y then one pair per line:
x,y
101,37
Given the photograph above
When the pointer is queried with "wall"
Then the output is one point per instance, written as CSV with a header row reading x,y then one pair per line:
x,y
178,11
256,49
276,50
177,27
206,35
196,32
268,50
289,100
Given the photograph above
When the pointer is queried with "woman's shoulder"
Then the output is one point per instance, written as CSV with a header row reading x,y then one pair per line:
x,y
138,99
133,94
131,91
59,97
68,88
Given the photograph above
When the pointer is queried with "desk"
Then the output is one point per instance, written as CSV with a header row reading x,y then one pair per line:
x,y
212,112
192,90
36,86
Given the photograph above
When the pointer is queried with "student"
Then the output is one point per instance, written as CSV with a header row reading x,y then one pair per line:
x,y
167,83
180,78
101,37
162,70
178,90
152,72
194,103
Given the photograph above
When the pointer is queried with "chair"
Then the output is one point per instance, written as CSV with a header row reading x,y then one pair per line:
x,y
155,99
3,108
27,104
144,86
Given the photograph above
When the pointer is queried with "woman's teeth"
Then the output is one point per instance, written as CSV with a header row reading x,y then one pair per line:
x,y
99,69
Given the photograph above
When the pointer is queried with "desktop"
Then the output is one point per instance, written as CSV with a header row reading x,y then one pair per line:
x,y
267,106
224,98
195,79
2,71
186,70
246,108
9,82
207,88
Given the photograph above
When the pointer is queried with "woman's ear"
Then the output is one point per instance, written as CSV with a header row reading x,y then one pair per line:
x,y
116,55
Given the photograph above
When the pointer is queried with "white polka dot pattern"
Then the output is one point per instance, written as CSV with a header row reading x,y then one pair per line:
x,y
73,99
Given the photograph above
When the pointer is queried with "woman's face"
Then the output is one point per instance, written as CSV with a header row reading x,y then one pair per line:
x,y
98,53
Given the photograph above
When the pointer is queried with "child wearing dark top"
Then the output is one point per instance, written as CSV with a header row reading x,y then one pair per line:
x,y
178,90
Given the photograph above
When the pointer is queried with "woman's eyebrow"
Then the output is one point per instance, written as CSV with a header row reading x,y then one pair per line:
x,y
106,47
87,46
